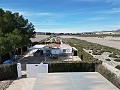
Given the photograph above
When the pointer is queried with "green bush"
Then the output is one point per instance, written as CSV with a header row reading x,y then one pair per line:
x,y
8,71
73,66
117,60
107,59
118,67
97,52
108,75
113,56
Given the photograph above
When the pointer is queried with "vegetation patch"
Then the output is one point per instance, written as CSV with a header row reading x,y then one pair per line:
x,y
97,49
108,75
80,46
72,66
117,60
113,55
118,67
107,59
8,71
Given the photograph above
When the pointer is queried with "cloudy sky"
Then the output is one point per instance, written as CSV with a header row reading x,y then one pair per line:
x,y
68,15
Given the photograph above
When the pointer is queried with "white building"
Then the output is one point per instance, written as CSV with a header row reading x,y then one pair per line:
x,y
65,48
53,49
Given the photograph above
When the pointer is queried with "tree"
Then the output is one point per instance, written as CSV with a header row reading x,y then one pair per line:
x,y
15,31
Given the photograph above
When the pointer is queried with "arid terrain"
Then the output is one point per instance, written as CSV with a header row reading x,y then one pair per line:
x,y
106,41
39,37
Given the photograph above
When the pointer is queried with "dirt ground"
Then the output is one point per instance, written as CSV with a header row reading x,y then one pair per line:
x,y
107,41
39,38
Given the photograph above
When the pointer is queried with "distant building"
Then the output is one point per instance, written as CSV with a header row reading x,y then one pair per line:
x,y
56,49
53,49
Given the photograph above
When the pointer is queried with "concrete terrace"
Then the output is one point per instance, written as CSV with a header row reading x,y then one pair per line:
x,y
73,81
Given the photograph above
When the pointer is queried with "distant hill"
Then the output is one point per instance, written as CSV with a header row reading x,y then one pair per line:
x,y
117,30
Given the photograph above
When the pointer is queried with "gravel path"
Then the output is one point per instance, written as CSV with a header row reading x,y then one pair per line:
x,y
108,41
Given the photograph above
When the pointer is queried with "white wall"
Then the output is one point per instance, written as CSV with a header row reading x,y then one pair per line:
x,y
67,47
19,70
34,69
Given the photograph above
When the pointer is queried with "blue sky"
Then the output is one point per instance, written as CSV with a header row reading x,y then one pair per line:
x,y
68,15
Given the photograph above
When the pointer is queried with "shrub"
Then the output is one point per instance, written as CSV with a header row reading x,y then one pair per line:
x,y
73,66
97,52
118,67
113,56
108,75
117,60
8,71
107,59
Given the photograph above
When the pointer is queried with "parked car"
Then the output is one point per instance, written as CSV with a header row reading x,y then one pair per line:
x,y
8,62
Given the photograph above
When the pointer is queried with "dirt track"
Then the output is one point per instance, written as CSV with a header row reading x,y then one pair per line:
x,y
108,41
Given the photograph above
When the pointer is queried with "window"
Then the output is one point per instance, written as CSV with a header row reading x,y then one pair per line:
x,y
64,50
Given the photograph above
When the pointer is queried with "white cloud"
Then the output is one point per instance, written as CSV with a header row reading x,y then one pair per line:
x,y
113,2
116,9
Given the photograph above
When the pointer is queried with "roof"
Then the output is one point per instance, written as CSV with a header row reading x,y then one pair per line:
x,y
73,81
54,45
65,46
37,47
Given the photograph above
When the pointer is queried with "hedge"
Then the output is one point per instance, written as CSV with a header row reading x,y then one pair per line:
x,y
72,66
8,71
108,75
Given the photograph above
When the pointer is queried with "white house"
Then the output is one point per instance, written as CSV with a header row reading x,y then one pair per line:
x,y
65,48
54,49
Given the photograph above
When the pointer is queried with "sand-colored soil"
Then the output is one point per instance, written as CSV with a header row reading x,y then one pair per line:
x,y
107,41
39,38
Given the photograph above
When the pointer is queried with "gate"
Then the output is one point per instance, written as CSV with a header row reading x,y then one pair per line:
x,y
34,69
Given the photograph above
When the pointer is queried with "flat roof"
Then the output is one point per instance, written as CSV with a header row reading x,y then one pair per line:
x,y
39,46
73,81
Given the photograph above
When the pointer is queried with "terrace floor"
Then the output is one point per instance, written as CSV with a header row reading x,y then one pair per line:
x,y
73,81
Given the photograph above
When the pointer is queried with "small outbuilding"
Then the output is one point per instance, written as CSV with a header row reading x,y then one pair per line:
x,y
75,51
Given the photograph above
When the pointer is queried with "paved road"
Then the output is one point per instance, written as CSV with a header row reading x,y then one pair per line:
x,y
102,41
